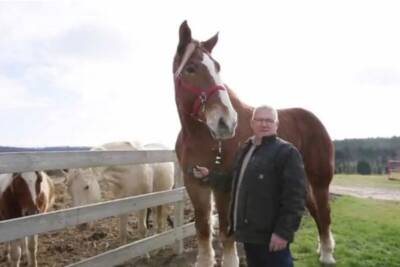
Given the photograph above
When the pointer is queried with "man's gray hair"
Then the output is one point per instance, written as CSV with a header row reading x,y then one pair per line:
x,y
268,108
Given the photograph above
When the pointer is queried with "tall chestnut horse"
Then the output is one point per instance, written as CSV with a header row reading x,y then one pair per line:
x,y
215,122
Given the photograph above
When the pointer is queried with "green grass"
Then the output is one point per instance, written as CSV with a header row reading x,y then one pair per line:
x,y
367,234
365,181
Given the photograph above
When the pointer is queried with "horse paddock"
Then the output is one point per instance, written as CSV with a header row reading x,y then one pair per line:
x,y
64,247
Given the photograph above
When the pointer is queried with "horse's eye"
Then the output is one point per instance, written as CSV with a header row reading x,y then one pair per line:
x,y
86,187
190,69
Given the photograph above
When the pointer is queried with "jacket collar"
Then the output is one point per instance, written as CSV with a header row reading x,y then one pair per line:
x,y
264,140
268,139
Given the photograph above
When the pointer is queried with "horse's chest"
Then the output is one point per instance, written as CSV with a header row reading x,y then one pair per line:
x,y
9,207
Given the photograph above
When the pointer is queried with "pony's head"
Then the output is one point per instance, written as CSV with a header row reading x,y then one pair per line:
x,y
199,90
83,186
26,187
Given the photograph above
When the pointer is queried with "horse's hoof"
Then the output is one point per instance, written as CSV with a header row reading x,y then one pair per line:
x,y
327,260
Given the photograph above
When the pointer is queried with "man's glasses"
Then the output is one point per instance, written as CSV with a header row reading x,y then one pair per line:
x,y
266,120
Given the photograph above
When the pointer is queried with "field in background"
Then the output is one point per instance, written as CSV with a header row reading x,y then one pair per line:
x,y
381,181
367,234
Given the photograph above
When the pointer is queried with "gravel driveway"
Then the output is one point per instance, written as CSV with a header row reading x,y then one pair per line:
x,y
367,192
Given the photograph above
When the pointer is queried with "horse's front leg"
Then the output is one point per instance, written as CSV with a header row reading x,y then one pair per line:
x,y
14,253
142,226
162,215
32,248
229,255
200,196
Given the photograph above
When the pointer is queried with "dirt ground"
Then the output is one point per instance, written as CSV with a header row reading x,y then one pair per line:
x,y
367,192
60,248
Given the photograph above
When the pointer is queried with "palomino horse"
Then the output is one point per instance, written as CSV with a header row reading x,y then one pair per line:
x,y
24,194
125,181
215,122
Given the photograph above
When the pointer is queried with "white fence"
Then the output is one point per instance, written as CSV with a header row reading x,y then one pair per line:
x,y
41,223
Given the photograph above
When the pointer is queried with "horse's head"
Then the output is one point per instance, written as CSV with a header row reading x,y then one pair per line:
x,y
199,89
26,187
83,186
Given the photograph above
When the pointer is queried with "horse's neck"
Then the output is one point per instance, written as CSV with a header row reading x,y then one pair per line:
x,y
193,129
244,112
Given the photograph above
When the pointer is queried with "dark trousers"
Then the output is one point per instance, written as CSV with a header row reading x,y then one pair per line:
x,y
259,256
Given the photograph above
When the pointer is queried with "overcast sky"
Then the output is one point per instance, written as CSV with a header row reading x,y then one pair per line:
x,y
90,72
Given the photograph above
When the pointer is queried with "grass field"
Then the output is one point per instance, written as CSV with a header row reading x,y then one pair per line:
x,y
365,181
367,234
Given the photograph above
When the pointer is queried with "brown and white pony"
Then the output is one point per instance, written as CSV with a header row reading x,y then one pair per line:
x,y
24,194
215,122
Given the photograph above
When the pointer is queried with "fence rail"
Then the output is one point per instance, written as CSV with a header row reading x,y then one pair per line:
x,y
137,248
56,220
34,161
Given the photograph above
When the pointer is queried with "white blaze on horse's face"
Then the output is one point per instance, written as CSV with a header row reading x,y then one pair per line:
x,y
30,180
5,180
220,119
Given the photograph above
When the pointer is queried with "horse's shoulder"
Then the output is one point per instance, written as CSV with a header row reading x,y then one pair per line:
x,y
179,144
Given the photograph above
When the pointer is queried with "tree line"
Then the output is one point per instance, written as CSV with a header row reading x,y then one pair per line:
x,y
366,156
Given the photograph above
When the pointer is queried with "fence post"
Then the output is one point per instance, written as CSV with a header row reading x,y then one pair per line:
x,y
179,206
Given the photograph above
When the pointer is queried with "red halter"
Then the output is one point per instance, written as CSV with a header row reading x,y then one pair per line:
x,y
202,95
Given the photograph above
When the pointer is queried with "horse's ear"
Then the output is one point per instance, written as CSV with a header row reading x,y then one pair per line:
x,y
67,180
210,43
64,172
185,37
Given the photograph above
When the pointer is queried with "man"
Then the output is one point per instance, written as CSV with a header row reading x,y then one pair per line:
x,y
268,193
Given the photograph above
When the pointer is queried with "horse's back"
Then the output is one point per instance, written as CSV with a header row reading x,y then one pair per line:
x,y
163,172
127,179
302,128
121,145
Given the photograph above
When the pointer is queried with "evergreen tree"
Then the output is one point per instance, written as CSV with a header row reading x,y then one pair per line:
x,y
363,167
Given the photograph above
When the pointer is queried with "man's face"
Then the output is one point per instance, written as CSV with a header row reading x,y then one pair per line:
x,y
264,123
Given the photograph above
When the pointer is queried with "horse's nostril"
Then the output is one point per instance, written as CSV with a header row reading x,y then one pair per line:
x,y
222,124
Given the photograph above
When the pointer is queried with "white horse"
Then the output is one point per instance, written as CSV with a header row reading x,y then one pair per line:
x,y
126,180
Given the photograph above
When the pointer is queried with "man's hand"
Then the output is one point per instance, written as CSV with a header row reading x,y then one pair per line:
x,y
200,172
277,243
